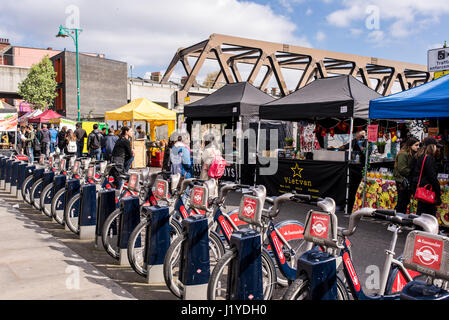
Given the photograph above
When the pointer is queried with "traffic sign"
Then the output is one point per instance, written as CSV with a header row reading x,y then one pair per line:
x,y
438,60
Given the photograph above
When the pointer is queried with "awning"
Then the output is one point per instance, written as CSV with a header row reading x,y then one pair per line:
x,y
430,100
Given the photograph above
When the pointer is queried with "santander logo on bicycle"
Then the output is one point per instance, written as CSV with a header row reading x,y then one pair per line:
x,y
320,225
428,252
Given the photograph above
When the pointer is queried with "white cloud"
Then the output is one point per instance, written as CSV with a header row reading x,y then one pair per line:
x,y
406,17
144,32
309,12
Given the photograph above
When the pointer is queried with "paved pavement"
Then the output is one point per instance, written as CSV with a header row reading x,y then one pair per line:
x,y
34,264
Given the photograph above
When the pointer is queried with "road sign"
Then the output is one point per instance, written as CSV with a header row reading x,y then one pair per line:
x,y
438,60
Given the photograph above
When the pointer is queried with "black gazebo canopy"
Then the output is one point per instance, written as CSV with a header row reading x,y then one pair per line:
x,y
232,100
337,97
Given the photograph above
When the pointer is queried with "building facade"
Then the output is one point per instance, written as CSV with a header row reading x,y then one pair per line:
x,y
103,85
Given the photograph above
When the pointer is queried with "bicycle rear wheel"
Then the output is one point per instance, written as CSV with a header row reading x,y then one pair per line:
x,y
110,234
172,261
71,214
300,289
57,206
46,196
217,288
138,241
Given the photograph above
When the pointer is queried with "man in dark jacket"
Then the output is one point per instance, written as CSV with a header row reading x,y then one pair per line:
x,y
109,143
80,134
45,140
94,142
62,143
122,154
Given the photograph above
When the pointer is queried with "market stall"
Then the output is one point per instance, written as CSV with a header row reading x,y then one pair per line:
x,y
326,111
234,107
155,115
8,125
429,101
44,117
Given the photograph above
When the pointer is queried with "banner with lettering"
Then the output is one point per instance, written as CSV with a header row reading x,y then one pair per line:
x,y
317,178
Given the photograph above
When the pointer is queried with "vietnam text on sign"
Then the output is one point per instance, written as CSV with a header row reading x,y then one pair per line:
x,y
438,60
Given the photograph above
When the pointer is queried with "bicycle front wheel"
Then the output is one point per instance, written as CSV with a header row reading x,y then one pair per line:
x,y
57,206
35,194
217,288
138,241
46,196
26,188
110,234
71,214
172,261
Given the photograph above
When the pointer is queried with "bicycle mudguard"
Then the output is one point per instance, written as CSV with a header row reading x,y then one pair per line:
x,y
397,280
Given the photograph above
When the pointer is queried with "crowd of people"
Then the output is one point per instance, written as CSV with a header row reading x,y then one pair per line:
x,y
47,140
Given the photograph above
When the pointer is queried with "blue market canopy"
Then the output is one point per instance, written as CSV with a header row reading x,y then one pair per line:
x,y
430,100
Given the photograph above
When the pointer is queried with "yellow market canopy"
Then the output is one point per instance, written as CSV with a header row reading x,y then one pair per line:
x,y
143,109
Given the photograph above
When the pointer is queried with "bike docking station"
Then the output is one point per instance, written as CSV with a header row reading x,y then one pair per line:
x,y
25,170
72,187
87,211
194,269
157,244
8,175
3,171
105,206
14,177
428,254
319,265
130,207
245,270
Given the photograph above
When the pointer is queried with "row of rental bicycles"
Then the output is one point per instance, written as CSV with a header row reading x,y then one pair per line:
x,y
179,231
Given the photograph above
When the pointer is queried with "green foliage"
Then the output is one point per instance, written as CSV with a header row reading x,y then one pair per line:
x,y
39,87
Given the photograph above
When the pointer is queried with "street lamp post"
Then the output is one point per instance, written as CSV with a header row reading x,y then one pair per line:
x,y
73,33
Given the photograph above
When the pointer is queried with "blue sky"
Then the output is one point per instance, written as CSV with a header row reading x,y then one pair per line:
x,y
148,33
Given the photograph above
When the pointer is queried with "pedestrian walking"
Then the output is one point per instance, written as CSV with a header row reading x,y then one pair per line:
x,y
181,159
29,142
37,145
122,155
402,170
62,142
80,134
71,145
94,142
425,175
53,138
109,143
210,151
45,140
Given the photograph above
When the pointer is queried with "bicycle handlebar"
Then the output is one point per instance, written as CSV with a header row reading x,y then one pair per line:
x,y
230,187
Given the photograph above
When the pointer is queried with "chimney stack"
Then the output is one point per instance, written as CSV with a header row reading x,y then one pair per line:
x,y
156,76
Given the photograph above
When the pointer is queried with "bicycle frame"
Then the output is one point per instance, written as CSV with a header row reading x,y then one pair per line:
x,y
353,280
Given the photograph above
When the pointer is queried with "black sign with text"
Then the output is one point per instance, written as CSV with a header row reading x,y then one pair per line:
x,y
316,178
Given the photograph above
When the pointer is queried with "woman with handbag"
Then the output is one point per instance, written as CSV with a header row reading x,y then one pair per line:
x,y
425,175
402,171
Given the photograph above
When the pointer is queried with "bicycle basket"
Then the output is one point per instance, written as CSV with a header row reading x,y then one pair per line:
x,y
133,181
251,208
161,189
321,228
427,253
